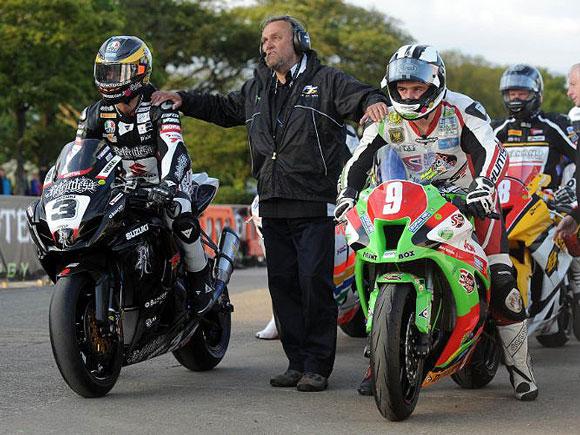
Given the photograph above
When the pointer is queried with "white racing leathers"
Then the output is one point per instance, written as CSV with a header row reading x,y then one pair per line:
x,y
458,147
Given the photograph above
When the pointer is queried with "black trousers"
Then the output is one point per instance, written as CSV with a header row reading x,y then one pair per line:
x,y
300,259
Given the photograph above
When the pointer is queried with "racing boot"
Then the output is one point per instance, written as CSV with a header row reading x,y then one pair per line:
x,y
365,388
514,341
201,289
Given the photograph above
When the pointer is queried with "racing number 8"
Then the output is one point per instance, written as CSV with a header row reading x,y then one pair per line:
x,y
64,209
393,198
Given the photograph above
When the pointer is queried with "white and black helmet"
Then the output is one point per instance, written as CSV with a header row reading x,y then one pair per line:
x,y
524,77
418,63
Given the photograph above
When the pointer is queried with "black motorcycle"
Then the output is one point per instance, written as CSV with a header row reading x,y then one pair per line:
x,y
120,291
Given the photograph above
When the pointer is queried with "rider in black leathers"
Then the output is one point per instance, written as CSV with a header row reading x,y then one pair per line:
x,y
149,141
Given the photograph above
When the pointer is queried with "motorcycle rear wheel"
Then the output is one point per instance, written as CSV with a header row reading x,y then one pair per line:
x,y
208,345
89,359
356,327
397,370
484,363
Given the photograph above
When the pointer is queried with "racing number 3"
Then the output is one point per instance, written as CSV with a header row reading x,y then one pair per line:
x,y
393,197
64,209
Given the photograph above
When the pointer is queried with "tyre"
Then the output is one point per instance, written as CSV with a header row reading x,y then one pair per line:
x,y
356,327
483,364
88,357
576,316
209,343
397,371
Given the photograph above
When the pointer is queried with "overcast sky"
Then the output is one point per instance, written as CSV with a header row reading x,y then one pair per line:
x,y
540,32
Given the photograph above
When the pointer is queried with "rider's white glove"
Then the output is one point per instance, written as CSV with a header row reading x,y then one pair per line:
x,y
566,194
481,197
345,201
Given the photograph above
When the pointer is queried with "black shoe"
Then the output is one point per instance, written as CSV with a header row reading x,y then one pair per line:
x,y
312,382
366,386
289,378
201,289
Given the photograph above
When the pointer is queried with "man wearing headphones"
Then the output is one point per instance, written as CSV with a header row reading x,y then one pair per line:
x,y
294,110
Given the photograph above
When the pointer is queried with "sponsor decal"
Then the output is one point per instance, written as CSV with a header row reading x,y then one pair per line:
x,y
418,223
171,138
478,263
134,152
408,148
149,322
125,128
457,220
116,211
143,266
395,118
137,169
159,299
144,128
552,263
369,256
168,116
448,111
424,313
114,45
181,166
446,234
536,131
536,138
71,185
448,143
115,199
110,127
426,140
142,118
513,301
393,275
367,224
146,137
136,232
389,254
466,280
512,132
109,167
170,128
310,91
103,152
448,126
110,137
499,164
468,246
396,135
407,254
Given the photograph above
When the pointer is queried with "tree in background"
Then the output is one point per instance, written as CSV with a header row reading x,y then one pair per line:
x,y
49,46
47,51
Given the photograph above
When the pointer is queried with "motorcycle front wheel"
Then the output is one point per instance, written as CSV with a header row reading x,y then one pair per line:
x,y
88,357
396,367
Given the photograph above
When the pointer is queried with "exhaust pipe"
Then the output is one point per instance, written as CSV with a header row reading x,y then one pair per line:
x,y
224,266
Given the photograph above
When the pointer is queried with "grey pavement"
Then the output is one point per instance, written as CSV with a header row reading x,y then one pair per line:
x,y
159,396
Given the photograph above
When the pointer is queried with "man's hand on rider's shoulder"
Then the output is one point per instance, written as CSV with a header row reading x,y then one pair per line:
x,y
375,112
159,97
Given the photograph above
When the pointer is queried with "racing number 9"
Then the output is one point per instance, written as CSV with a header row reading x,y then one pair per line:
x,y
393,197
64,209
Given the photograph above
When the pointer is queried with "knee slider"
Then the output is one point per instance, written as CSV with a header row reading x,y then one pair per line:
x,y
506,300
186,228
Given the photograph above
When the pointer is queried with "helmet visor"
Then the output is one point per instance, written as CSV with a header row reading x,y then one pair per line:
x,y
516,81
408,69
115,74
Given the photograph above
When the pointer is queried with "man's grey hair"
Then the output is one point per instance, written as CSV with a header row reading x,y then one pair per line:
x,y
294,23
574,68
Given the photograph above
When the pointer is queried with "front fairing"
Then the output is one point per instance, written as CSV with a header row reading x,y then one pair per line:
x,y
77,192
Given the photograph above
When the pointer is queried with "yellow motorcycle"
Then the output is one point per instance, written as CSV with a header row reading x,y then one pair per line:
x,y
542,263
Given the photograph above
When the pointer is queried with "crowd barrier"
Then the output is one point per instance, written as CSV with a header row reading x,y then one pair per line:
x,y
19,261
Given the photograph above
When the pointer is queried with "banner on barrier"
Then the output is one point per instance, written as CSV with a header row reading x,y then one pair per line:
x,y
18,257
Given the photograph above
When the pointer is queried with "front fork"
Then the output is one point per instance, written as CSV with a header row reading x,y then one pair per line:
x,y
423,302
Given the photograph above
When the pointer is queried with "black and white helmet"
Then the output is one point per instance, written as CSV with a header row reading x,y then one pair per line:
x,y
420,63
524,77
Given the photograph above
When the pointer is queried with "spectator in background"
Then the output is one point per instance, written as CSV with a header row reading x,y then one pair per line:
x,y
574,94
35,187
5,185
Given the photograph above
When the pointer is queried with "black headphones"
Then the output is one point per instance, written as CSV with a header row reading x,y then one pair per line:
x,y
301,38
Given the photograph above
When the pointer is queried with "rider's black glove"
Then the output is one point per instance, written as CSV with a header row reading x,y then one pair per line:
x,y
480,200
163,193
345,201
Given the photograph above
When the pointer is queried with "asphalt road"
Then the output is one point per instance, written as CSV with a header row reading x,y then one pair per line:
x,y
159,396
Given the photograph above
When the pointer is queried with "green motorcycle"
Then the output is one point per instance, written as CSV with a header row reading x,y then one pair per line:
x,y
424,286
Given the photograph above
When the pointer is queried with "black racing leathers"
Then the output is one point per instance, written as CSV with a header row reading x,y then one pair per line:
x,y
149,141
536,145
303,162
